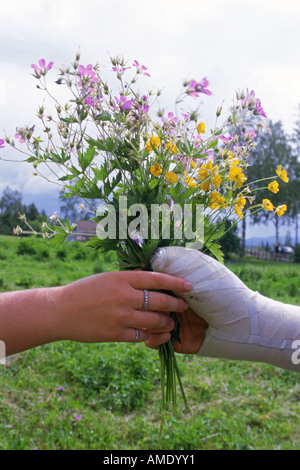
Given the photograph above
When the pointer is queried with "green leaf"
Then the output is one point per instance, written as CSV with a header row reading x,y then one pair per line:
x,y
103,117
85,159
216,251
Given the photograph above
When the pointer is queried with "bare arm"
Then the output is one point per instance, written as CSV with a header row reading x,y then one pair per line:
x,y
100,308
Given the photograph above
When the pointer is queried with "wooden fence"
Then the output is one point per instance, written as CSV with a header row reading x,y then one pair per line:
x,y
269,255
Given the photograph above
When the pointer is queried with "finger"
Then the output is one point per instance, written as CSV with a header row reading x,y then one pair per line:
x,y
133,335
153,280
155,340
162,302
152,320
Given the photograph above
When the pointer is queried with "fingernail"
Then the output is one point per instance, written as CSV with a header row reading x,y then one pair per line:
x,y
187,285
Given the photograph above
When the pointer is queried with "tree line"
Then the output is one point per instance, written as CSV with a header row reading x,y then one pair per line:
x,y
275,147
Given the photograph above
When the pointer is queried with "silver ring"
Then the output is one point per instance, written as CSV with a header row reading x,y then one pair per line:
x,y
146,301
137,335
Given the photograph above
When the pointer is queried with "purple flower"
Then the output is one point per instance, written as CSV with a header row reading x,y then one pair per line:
x,y
226,140
60,389
255,103
140,68
78,417
194,88
123,103
259,110
19,135
42,68
87,73
2,144
250,135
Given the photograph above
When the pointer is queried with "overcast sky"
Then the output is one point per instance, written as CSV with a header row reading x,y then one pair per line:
x,y
236,44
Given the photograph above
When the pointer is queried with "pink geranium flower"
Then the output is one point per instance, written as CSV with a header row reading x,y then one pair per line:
x,y
42,68
194,87
140,68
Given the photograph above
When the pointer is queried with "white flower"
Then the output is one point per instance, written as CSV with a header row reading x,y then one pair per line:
x,y
54,216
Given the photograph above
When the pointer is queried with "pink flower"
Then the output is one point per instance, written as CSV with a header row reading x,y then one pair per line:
x,y
194,88
42,68
140,68
123,103
87,73
250,135
252,101
226,140
2,144
19,136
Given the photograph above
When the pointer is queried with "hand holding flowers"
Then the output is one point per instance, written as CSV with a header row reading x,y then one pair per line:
x,y
105,145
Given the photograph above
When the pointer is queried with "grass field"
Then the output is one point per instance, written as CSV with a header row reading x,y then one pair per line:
x,y
107,396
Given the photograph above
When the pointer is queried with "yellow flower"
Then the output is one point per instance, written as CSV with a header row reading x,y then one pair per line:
x,y
241,201
204,170
172,147
154,142
156,169
193,164
238,210
274,186
267,205
280,210
201,128
171,177
236,174
190,181
282,174
216,180
217,200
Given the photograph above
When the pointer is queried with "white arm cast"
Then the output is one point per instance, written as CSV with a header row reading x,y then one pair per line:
x,y
243,324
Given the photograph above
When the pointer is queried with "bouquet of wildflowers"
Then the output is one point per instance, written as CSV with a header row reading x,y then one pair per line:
x,y
149,179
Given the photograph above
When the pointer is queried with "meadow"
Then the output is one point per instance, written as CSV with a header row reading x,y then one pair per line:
x,y
72,396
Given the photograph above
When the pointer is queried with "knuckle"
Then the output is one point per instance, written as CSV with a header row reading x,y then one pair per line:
x,y
164,302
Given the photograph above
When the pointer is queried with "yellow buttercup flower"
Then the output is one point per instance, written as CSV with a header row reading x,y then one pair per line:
x,y
193,164
171,177
217,201
280,210
216,180
238,211
236,174
282,174
273,186
153,143
172,147
201,128
239,205
156,169
241,201
267,205
190,181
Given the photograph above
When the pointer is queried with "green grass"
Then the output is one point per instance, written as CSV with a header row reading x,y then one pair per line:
x,y
107,396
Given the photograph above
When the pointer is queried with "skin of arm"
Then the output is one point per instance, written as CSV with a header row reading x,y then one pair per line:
x,y
104,307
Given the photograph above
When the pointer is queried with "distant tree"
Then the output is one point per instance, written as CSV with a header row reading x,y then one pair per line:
x,y
31,212
69,208
230,242
11,201
10,207
296,152
273,149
